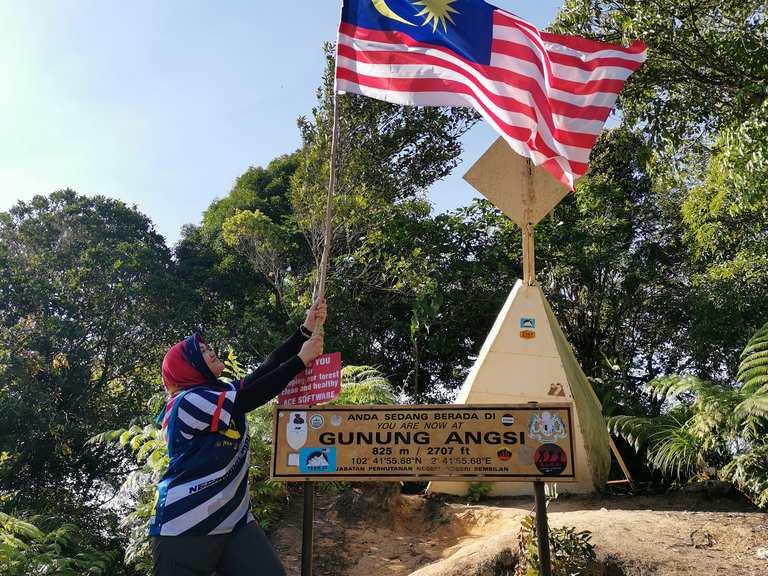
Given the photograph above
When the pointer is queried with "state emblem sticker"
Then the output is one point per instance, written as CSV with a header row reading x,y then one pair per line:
x,y
550,459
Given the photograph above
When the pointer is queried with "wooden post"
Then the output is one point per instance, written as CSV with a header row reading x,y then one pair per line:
x,y
529,257
308,528
627,476
542,529
529,202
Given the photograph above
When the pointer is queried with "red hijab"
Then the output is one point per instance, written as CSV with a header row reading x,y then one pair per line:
x,y
184,366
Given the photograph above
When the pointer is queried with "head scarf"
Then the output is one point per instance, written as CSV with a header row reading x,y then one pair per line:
x,y
184,366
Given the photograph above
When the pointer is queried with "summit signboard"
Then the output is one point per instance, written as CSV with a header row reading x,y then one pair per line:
x,y
499,443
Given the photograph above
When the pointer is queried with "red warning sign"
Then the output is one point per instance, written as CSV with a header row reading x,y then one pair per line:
x,y
320,382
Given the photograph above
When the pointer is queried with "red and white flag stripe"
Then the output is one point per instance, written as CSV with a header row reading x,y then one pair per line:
x,y
548,95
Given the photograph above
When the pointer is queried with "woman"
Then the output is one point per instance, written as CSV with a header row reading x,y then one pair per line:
x,y
202,521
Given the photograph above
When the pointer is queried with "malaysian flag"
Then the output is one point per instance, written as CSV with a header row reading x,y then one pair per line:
x,y
547,95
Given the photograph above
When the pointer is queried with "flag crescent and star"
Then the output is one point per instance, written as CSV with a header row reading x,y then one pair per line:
x,y
547,95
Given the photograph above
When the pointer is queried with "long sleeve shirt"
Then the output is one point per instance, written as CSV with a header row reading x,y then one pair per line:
x,y
205,489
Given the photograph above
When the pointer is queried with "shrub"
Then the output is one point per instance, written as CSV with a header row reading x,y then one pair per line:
x,y
571,552
479,491
26,550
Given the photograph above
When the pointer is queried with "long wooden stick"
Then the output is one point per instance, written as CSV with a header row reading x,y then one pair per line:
x,y
324,262
320,291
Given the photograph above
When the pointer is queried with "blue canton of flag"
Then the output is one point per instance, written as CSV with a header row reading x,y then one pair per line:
x,y
466,31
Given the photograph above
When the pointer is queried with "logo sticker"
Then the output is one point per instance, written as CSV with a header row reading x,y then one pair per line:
x,y
317,460
336,420
296,434
316,421
507,419
504,454
546,427
529,323
527,334
550,459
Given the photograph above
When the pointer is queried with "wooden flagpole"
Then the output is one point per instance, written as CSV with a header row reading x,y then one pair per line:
x,y
308,527
320,288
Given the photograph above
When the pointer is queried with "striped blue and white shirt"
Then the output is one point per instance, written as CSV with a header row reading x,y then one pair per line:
x,y
205,489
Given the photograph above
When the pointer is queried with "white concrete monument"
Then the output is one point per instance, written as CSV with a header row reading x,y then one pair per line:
x,y
526,357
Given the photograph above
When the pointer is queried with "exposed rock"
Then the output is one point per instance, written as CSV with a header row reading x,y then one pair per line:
x,y
494,556
361,502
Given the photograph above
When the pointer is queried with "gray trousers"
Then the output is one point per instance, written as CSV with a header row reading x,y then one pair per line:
x,y
244,552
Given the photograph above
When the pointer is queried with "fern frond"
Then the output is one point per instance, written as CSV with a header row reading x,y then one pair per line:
x,y
758,343
640,431
674,385
752,360
107,437
679,453
149,447
749,472
754,371
753,384
753,406
364,385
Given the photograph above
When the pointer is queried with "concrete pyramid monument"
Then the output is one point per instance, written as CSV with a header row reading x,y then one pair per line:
x,y
526,357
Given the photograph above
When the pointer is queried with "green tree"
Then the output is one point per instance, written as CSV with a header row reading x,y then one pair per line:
x,y
236,304
386,154
706,67
700,103
87,302
25,550
252,261
710,429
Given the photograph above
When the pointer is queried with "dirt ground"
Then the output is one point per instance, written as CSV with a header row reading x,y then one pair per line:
x,y
685,534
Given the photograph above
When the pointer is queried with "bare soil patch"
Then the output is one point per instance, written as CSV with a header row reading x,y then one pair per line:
x,y
373,532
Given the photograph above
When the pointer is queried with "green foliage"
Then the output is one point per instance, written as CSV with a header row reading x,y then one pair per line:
x,y
86,306
706,62
26,550
267,246
753,368
700,101
386,154
709,428
364,385
478,491
572,553
147,447
749,473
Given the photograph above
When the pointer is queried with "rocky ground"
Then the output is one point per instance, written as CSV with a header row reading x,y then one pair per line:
x,y
373,531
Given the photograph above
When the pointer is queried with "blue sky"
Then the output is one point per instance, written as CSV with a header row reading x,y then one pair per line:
x,y
163,103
